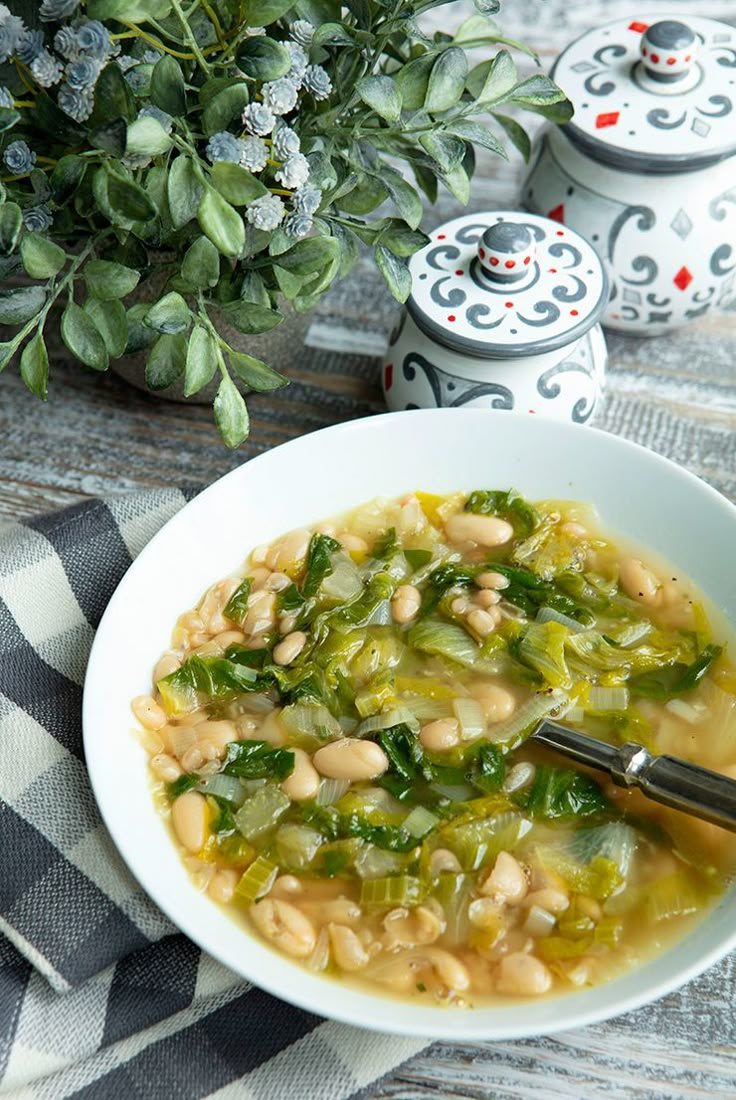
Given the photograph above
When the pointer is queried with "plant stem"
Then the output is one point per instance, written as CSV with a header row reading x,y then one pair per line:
x,y
190,39
212,14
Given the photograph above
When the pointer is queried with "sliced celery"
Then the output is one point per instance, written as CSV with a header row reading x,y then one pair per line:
x,y
598,879
310,725
543,649
420,822
262,811
552,948
297,846
477,843
257,880
454,893
393,890
674,895
444,639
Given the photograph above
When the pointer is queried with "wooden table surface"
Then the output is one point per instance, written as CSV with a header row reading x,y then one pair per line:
x,y
675,394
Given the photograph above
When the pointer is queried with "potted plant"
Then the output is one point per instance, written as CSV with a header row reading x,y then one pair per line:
x,y
233,155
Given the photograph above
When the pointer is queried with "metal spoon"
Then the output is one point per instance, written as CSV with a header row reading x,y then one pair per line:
x,y
666,779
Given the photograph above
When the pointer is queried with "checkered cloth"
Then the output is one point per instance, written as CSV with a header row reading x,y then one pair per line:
x,y
99,995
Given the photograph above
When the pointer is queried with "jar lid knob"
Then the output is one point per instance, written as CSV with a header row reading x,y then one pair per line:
x,y
506,250
668,51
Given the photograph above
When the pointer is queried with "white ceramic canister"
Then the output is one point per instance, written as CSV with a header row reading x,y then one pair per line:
x,y
503,315
646,169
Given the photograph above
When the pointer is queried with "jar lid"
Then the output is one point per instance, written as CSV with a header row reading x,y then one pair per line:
x,y
652,94
506,284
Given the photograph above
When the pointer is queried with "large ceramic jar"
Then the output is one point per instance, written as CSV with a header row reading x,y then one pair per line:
x,y
503,314
647,166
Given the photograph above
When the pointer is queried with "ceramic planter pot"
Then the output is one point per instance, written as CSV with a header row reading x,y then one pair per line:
x,y
647,166
503,314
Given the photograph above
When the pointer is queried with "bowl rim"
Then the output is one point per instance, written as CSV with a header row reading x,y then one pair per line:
x,y
365,1009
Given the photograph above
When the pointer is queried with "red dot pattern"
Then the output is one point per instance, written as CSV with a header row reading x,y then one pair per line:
x,y
451,317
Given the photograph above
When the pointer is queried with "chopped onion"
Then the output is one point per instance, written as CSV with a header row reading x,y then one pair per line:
x,y
631,634
396,717
331,790
381,614
608,698
251,704
539,922
539,706
228,787
348,725
181,739
426,710
548,614
420,821
689,712
519,777
344,582
471,716
313,720
575,716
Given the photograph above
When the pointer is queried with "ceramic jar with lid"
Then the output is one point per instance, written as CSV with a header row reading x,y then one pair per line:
x,y
503,314
646,168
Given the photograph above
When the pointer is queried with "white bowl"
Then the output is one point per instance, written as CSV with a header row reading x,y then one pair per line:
x,y
639,494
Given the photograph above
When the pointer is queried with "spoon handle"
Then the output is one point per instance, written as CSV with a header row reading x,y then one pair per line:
x,y
666,779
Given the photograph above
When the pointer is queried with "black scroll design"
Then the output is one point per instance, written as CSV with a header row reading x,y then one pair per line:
x,y
444,251
662,119
582,410
646,220
469,234
719,260
561,248
476,312
452,298
616,50
728,62
723,106
570,294
548,315
659,303
536,230
717,207
644,264
444,385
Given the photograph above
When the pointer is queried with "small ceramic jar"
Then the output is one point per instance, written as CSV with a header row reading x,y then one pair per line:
x,y
647,166
503,315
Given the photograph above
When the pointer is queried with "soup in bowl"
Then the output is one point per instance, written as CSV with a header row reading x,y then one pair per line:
x,y
336,731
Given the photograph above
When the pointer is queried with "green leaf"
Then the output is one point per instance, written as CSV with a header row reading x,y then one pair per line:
x,y
516,134
333,34
407,200
249,318
128,11
127,198
537,90
493,80
458,183
41,257
167,87
170,314
262,58
231,415
166,361
396,273
7,351
147,137
257,375
67,177
11,223
254,290
221,223
201,264
108,280
476,28
19,305
140,336
34,366
185,190
80,334
236,184
364,198
478,134
202,360
224,107
8,118
400,239
412,80
382,96
112,137
110,320
289,285
446,81
114,98
261,13
310,255
446,150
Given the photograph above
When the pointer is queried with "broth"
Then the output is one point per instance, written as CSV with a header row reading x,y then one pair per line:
x,y
338,739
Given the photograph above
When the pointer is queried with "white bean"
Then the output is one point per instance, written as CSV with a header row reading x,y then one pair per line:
x,y
450,971
637,581
222,885
441,860
219,733
288,553
492,580
148,712
304,781
523,975
277,582
573,530
498,703
482,621
405,603
554,901
483,530
349,952
289,647
189,818
286,886
410,928
165,666
440,735
487,597
285,926
351,758
165,767
507,881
